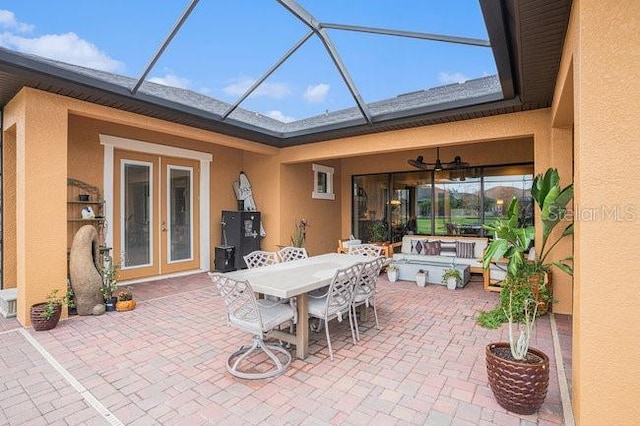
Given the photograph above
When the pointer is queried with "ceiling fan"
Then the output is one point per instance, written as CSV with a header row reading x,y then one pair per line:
x,y
457,163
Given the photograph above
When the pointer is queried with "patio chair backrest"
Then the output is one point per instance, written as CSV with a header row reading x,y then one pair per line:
x,y
240,303
366,250
342,289
259,258
369,277
287,254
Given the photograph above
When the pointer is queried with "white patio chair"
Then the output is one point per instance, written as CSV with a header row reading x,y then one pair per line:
x,y
257,317
365,250
259,258
287,254
366,289
336,303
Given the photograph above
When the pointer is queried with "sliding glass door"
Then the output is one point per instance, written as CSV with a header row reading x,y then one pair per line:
x,y
450,202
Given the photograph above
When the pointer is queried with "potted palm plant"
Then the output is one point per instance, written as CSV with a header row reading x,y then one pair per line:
x,y
519,374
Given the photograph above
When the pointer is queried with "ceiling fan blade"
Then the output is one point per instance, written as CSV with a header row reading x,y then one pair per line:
x,y
418,164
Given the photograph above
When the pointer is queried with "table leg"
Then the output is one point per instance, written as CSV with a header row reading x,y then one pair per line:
x,y
302,329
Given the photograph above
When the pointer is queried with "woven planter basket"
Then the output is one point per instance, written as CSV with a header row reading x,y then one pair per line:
x,y
41,323
517,386
125,305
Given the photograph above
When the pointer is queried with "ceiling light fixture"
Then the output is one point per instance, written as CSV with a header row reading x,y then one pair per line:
x,y
438,166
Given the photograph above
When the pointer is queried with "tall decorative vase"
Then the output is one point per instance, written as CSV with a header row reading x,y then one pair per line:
x,y
392,276
421,278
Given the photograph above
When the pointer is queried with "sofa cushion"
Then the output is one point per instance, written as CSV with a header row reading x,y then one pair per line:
x,y
465,250
447,248
417,246
481,242
432,248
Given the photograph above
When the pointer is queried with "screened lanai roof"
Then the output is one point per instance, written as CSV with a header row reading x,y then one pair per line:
x,y
289,72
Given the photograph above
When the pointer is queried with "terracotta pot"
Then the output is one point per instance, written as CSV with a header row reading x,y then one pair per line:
x,y
41,323
125,305
518,386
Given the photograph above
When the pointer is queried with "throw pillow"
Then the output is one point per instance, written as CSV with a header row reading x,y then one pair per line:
x,y
432,248
447,248
465,250
417,246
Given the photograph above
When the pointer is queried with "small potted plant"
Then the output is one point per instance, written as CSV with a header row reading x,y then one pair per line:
x,y
451,277
45,315
421,278
299,237
109,285
378,233
125,300
392,272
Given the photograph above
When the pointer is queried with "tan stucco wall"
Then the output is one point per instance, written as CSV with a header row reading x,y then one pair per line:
x,y
84,143
9,261
602,50
322,216
41,128
40,198
511,138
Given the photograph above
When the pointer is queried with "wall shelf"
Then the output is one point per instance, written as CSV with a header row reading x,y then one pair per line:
x,y
75,188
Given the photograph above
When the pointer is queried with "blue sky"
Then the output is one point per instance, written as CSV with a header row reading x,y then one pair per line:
x,y
226,45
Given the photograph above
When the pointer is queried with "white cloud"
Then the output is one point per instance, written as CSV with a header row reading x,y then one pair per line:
x,y
278,115
316,93
270,90
172,80
451,77
63,47
8,20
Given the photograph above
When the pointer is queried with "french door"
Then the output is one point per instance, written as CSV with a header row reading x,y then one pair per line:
x,y
156,214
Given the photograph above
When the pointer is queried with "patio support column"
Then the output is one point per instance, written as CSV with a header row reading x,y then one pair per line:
x,y
562,159
41,195
605,339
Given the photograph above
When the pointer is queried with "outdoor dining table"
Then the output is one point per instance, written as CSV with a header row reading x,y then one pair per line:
x,y
296,278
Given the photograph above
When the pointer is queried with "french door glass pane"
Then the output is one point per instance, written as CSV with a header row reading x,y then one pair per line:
x,y
137,215
180,214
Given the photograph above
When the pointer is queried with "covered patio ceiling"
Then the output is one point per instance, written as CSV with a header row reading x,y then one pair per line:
x,y
525,37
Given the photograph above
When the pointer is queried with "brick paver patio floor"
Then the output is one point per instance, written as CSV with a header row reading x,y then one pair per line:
x,y
164,363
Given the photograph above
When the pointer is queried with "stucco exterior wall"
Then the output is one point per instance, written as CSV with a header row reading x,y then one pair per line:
x,y
43,131
602,44
321,215
39,256
84,144
9,261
